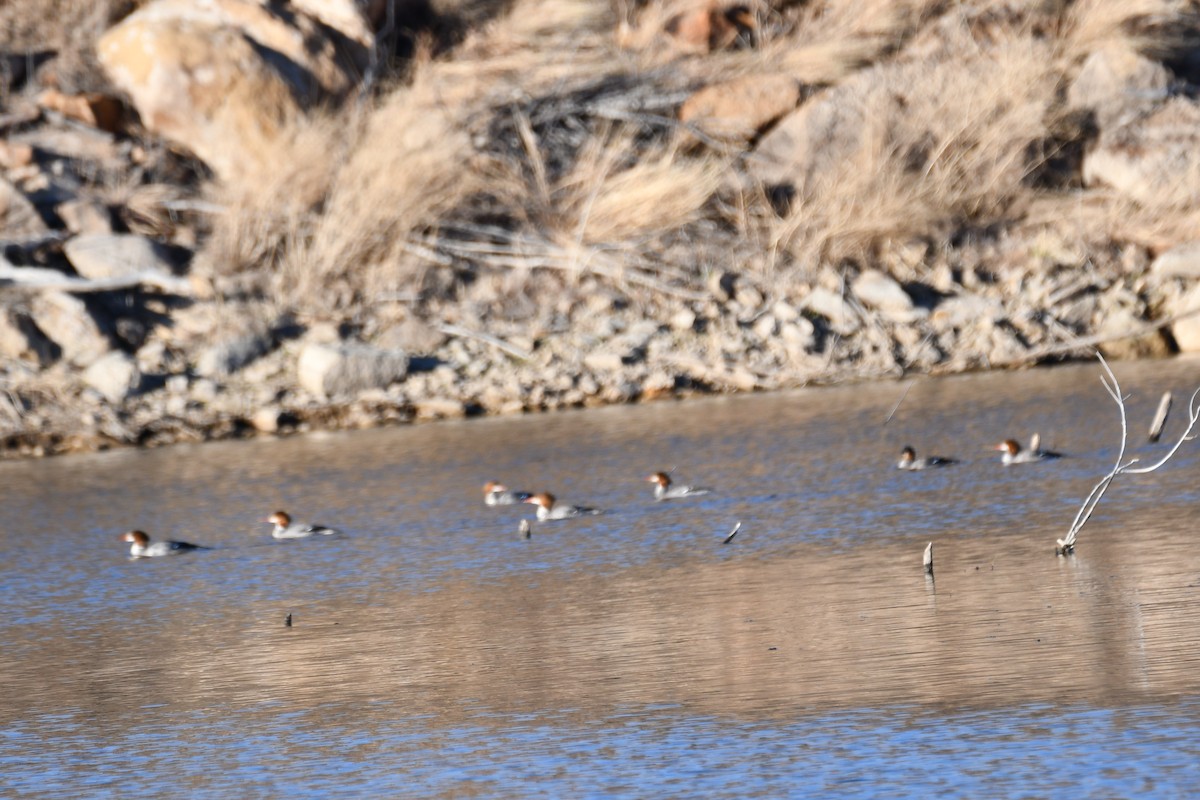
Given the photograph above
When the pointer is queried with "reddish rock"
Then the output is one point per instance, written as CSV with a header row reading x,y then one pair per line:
x,y
741,108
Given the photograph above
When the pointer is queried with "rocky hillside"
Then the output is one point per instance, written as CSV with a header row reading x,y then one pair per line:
x,y
225,217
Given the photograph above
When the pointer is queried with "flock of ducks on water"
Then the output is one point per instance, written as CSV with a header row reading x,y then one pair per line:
x,y
549,508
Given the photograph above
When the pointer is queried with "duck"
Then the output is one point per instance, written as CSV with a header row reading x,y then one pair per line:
x,y
909,460
1013,454
140,546
663,489
549,508
497,494
286,529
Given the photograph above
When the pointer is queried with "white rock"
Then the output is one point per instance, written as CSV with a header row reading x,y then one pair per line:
x,y
346,369
1181,261
116,376
841,315
67,321
113,255
881,292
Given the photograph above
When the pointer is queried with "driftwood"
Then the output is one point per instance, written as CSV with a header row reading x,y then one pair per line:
x,y
1160,418
1066,545
42,278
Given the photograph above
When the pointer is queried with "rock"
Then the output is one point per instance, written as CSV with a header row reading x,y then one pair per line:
x,y
15,154
683,320
798,337
883,293
413,336
85,216
344,370
70,324
965,310
740,108
18,218
440,408
707,28
21,339
1151,160
1186,331
1122,322
266,419
1181,261
1118,84
114,375
113,255
843,319
227,357
98,110
603,362
225,77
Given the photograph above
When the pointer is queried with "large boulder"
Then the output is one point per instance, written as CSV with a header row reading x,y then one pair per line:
x,y
344,370
1154,160
225,77
1116,83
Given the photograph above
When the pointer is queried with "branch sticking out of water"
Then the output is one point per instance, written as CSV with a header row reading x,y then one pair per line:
x,y
927,559
1066,545
1160,418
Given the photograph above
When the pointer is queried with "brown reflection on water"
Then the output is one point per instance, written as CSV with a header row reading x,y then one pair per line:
x,y
724,635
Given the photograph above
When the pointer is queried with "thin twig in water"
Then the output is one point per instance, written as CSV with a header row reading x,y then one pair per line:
x,y
896,407
1066,545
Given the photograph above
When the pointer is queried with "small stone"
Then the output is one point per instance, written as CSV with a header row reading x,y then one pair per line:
x,y
115,376
603,362
227,357
18,217
344,370
881,292
111,255
1181,261
841,315
412,336
15,154
21,339
683,320
70,324
84,217
266,420
766,327
177,384
785,312
440,408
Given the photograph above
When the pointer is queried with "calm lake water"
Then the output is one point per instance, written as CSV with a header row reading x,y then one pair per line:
x,y
437,653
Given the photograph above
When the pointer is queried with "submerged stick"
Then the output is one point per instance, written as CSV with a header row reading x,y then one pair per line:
x,y
1160,418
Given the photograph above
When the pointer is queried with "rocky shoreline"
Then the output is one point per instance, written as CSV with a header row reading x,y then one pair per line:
x,y
122,323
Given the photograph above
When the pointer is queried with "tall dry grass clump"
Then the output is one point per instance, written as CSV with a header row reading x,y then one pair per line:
x,y
922,145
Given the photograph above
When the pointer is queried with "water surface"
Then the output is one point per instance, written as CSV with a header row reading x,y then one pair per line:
x,y
435,652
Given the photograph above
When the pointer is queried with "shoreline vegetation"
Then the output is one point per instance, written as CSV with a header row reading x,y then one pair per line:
x,y
232,218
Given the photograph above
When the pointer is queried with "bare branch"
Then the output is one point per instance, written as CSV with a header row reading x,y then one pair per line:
x,y
1066,545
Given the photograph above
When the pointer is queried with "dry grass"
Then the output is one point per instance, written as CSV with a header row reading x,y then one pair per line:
x,y
952,109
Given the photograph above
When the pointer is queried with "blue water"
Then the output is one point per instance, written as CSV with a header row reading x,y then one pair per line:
x,y
436,653
899,751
